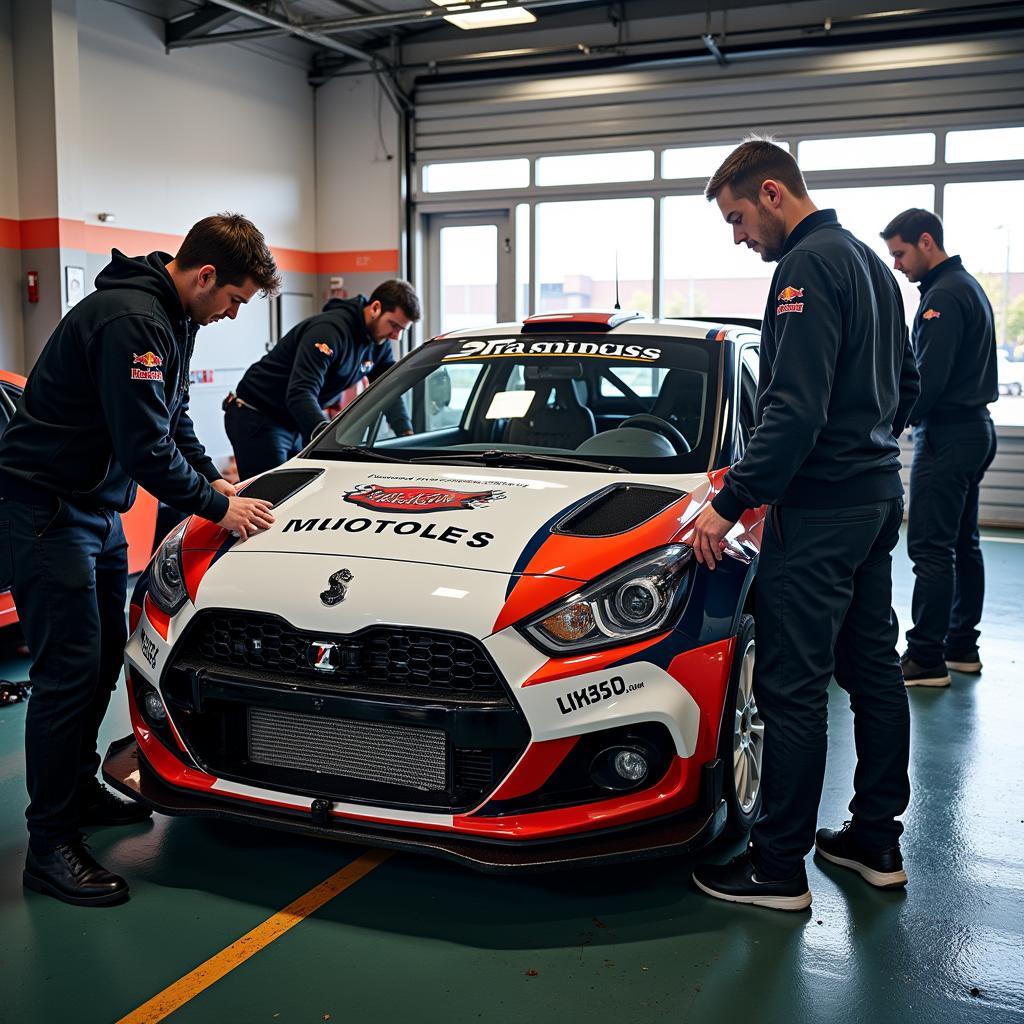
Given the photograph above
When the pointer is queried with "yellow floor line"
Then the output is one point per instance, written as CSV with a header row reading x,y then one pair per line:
x,y
206,974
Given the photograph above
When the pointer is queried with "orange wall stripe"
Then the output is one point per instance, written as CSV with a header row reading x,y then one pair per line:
x,y
55,232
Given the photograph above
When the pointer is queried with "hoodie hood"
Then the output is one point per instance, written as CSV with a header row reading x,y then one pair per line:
x,y
146,274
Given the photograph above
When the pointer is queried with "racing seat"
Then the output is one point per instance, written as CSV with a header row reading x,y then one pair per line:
x,y
680,401
555,419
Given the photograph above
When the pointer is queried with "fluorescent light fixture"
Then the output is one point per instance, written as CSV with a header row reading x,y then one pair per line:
x,y
494,18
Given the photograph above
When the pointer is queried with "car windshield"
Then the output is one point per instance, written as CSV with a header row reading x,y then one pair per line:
x,y
635,403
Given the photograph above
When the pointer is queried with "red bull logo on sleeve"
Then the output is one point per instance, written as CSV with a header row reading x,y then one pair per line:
x,y
325,349
787,300
931,314
149,360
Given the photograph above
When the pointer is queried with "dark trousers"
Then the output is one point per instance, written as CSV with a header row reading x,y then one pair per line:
x,y
69,574
259,442
942,538
824,607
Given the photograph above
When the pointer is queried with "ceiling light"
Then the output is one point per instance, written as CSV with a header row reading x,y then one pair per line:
x,y
495,18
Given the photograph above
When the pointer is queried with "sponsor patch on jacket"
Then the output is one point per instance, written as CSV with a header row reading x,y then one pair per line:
x,y
786,300
325,348
150,360
930,314
419,499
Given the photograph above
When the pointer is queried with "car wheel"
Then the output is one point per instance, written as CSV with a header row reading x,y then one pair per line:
x,y
741,743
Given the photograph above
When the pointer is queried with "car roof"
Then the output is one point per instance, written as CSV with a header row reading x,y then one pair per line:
x,y
630,325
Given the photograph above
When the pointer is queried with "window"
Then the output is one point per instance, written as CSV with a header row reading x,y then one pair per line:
x,y
868,151
984,225
746,420
641,380
446,395
522,261
578,246
865,211
469,276
985,144
704,273
476,174
697,161
591,168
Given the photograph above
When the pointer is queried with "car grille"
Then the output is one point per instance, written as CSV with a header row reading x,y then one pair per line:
x,y
372,751
383,659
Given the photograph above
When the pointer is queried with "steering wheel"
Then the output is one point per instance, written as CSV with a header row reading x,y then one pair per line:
x,y
647,421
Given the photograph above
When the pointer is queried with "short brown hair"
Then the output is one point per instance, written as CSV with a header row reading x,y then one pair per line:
x,y
752,162
397,294
236,247
911,224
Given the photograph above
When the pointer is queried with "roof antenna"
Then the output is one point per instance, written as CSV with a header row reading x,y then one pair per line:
x,y
617,306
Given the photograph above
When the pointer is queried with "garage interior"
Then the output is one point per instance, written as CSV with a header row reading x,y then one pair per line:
x,y
510,170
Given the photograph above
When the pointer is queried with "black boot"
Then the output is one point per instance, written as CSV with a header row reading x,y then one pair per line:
x,y
69,872
101,806
881,868
738,882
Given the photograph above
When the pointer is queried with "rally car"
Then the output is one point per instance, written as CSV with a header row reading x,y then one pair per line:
x,y
487,640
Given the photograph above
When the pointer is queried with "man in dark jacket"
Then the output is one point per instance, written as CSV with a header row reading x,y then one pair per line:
x,y
279,402
837,381
954,340
106,407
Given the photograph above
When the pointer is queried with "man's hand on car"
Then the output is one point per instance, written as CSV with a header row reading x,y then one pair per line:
x,y
224,487
708,539
247,516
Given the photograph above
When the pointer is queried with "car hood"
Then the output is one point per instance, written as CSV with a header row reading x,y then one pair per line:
x,y
452,516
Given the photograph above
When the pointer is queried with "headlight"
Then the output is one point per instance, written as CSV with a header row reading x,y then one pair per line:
x,y
633,602
166,582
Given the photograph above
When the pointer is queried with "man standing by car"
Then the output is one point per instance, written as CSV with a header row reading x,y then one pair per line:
x,y
280,400
837,380
954,340
106,407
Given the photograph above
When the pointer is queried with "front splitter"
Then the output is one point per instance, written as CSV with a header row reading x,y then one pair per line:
x,y
127,771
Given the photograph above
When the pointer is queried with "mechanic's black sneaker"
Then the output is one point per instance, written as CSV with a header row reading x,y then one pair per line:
x,y
737,882
968,661
102,806
923,675
881,868
69,872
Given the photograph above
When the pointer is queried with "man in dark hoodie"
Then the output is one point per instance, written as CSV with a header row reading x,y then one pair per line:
x,y
106,408
836,385
279,402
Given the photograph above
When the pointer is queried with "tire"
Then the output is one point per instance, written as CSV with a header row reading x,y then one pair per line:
x,y
741,738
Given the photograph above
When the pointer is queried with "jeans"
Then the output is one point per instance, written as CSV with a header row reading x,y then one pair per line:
x,y
259,443
824,608
68,570
942,538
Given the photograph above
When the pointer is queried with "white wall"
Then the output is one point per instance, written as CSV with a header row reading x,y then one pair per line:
x,y
170,138
357,186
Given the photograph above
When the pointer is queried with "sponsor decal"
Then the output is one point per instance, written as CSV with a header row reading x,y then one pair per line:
x,y
367,365
325,349
595,693
930,314
786,300
321,654
419,499
150,360
149,648
337,588
398,527
599,349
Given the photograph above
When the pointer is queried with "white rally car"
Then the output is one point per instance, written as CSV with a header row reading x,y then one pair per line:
x,y
487,640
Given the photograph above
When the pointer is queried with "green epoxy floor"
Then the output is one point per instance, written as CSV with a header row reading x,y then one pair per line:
x,y
421,940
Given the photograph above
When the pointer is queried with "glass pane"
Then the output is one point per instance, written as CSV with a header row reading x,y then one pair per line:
x,y
469,276
476,174
697,161
588,168
869,151
704,273
865,211
522,261
447,394
985,144
577,245
984,224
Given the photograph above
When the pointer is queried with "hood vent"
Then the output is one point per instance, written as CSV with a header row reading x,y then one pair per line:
x,y
617,509
280,485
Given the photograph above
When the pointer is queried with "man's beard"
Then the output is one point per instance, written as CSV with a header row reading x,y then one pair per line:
x,y
773,236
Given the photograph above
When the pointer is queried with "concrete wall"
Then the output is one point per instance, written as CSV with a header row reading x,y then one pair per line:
x,y
10,254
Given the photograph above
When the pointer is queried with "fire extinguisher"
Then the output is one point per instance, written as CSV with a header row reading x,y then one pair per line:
x,y
32,285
